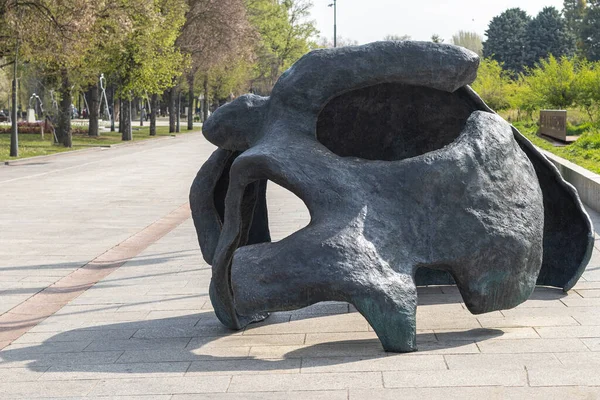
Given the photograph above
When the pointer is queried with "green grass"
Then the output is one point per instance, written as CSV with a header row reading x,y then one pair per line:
x,y
585,152
30,144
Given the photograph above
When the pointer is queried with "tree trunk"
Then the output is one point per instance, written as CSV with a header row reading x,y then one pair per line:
x,y
114,110
205,100
177,126
126,120
93,111
172,111
63,126
134,109
142,111
120,115
153,114
190,113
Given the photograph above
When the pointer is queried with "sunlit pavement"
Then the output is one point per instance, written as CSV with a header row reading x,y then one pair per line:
x,y
147,329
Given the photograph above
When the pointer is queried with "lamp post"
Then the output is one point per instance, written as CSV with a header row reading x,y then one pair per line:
x,y
14,131
334,5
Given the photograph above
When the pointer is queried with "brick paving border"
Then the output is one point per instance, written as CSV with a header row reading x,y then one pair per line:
x,y
34,310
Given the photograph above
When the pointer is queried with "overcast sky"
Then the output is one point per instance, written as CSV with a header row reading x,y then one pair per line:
x,y
370,20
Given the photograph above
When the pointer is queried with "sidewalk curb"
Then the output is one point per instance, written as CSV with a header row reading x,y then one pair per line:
x,y
586,182
27,160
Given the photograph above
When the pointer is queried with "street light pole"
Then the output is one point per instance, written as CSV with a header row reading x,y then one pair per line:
x,y
14,133
334,5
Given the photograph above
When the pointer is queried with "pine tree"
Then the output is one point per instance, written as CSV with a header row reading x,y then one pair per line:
x,y
506,35
548,34
590,31
574,13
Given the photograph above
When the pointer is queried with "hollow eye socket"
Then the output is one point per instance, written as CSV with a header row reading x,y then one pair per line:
x,y
392,121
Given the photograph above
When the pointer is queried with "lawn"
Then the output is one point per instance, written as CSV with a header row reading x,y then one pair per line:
x,y
30,144
585,152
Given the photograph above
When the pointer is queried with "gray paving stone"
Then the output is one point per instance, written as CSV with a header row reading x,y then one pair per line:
x,y
564,376
80,233
525,321
245,367
305,395
338,349
161,385
168,355
593,344
481,334
184,332
455,378
477,393
47,347
521,361
591,331
42,389
579,360
532,346
589,293
116,371
21,374
324,338
247,341
77,335
138,344
11,359
431,363
291,382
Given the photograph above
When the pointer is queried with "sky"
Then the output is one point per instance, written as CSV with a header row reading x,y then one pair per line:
x,y
370,20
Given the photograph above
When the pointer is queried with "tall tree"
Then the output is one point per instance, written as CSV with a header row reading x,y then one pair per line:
x,y
547,34
590,31
397,38
54,34
506,38
469,40
286,34
341,41
147,59
574,12
213,33
493,84
435,38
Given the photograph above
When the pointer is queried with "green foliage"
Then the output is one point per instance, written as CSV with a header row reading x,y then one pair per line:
x,y
584,152
285,35
146,60
547,34
590,31
435,38
574,12
553,83
493,84
397,38
588,89
469,40
228,79
506,38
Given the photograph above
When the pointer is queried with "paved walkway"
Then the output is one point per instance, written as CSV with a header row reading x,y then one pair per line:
x,y
147,331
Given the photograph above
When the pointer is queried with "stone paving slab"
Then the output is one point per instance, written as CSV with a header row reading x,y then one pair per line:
x,y
135,333
58,214
147,331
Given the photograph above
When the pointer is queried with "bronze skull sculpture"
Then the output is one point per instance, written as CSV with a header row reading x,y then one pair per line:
x,y
410,179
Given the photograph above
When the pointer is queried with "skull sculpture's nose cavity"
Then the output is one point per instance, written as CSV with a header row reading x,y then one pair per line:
x,y
392,121
235,126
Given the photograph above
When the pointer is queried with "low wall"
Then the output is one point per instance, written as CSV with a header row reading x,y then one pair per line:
x,y
586,182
